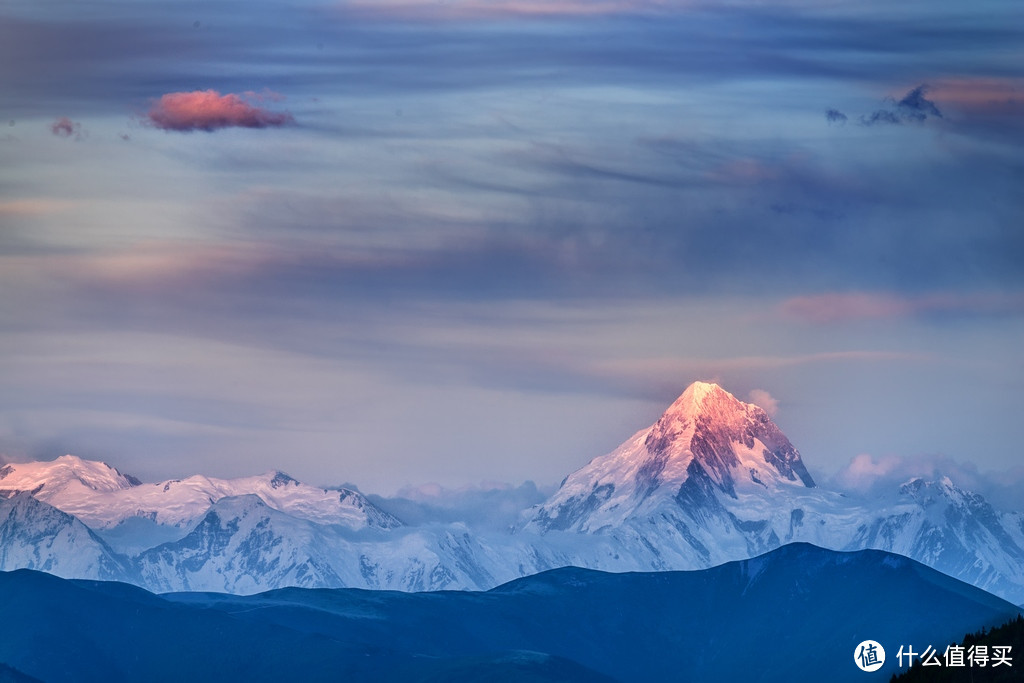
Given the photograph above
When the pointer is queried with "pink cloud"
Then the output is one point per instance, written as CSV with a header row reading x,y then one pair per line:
x,y
208,110
990,96
834,307
33,207
66,128
846,306
745,170
986,107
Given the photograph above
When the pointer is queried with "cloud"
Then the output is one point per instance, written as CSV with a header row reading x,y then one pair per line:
x,y
208,110
913,107
835,116
463,10
766,401
838,307
982,96
489,505
868,475
985,107
34,207
64,127
880,116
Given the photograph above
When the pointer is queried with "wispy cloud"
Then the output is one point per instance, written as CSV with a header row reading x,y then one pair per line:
x,y
981,95
985,107
839,307
464,10
915,105
764,400
912,107
871,475
493,505
208,110
33,207
835,116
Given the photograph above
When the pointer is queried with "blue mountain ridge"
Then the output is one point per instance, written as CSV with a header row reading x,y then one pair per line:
x,y
794,614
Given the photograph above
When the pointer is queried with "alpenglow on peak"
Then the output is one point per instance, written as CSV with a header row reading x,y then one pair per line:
x,y
707,440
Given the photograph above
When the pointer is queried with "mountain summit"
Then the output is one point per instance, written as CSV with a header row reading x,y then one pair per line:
x,y
707,443
714,427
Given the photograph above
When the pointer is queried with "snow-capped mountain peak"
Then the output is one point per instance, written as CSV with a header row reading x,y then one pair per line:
x,y
34,535
709,424
706,440
241,545
68,472
279,479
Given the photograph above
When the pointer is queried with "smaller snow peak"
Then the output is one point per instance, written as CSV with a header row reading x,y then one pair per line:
x,y
239,506
93,474
134,481
912,486
281,479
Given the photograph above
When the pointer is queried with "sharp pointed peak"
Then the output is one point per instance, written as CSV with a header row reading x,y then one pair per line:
x,y
701,396
279,479
700,391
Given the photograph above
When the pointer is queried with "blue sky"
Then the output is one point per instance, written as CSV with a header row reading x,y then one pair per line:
x,y
397,242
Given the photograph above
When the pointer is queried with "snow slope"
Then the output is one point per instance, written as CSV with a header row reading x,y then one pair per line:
x,y
34,535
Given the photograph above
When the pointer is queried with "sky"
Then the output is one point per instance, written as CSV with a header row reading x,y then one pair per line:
x,y
393,242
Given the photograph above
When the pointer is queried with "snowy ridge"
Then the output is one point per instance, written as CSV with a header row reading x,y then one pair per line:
x,y
67,474
102,497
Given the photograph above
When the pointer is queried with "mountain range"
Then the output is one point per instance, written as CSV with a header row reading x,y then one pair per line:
x,y
713,480
794,614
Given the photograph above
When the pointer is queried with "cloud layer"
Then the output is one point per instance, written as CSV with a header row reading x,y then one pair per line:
x,y
208,110
507,232
872,476
838,307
